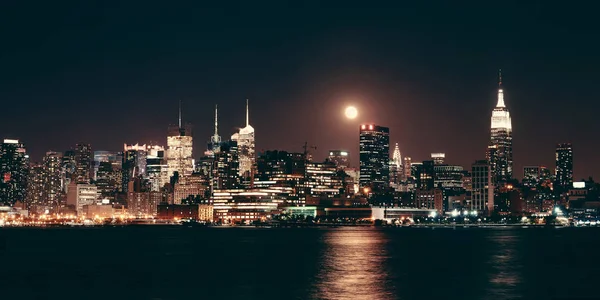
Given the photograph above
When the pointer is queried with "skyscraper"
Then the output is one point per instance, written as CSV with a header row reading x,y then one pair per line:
x,y
438,158
215,140
374,157
482,195
83,163
14,166
500,155
157,170
564,166
35,189
226,167
339,158
179,151
53,180
245,144
134,163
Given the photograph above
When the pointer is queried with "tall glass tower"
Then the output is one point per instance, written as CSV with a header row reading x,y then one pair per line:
x,y
179,149
374,157
245,143
500,152
564,166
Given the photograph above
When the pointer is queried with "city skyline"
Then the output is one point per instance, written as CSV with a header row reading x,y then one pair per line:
x,y
117,95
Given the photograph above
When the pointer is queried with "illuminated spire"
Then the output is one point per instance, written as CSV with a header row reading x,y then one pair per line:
x,y
180,113
499,78
500,91
247,116
397,158
216,121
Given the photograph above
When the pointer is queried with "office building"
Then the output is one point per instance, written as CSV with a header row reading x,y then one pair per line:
x,y
374,157
406,168
322,179
35,201
14,167
53,180
81,194
500,151
482,195
425,175
531,176
245,145
226,167
429,199
438,158
340,158
157,169
134,163
564,167
448,177
179,149
83,163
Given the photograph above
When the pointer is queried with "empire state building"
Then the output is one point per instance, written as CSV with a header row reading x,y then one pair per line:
x,y
500,152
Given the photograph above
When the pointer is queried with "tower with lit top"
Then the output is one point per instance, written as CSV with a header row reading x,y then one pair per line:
x,y
374,157
500,150
179,149
245,144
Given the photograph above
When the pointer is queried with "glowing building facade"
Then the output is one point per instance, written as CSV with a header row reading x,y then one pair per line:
x,y
396,167
83,163
482,195
500,150
179,151
53,180
14,166
157,170
245,144
374,157
564,166
339,158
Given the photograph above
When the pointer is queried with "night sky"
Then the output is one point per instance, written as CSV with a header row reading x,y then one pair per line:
x,y
109,73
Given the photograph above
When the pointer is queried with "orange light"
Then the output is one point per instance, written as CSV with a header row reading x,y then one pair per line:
x,y
363,126
370,127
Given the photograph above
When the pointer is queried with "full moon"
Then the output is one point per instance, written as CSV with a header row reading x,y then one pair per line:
x,y
351,112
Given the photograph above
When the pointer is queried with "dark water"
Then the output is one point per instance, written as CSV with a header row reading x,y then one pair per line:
x,y
157,262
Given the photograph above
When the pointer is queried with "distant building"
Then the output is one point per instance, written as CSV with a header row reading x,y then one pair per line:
x,y
322,179
53,180
374,157
407,168
564,166
429,199
81,194
482,196
396,168
134,163
245,145
500,151
340,158
226,167
448,177
157,169
438,158
14,167
425,175
194,186
35,201
181,212
179,151
83,163
531,176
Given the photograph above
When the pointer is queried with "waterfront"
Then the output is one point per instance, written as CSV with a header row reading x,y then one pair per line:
x,y
177,262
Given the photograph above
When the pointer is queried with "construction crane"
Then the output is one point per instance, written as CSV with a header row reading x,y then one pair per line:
x,y
307,148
